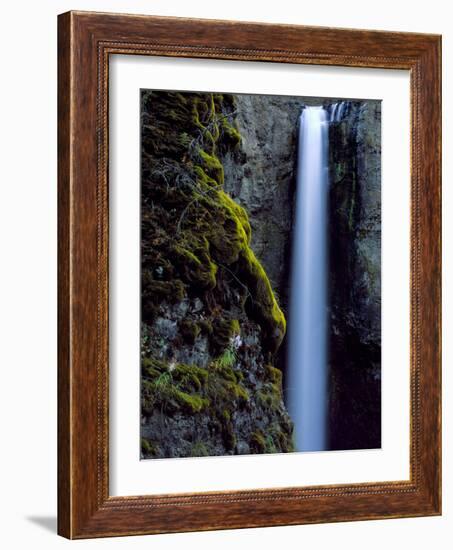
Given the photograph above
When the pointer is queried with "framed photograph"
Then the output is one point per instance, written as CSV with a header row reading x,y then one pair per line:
x,y
249,275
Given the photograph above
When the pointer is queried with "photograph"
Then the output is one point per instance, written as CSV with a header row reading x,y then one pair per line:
x,y
226,247
260,274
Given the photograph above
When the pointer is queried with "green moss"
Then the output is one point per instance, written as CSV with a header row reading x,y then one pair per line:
x,y
257,442
263,303
225,105
217,230
239,213
186,254
212,166
239,392
198,448
233,232
272,440
230,243
191,257
190,403
225,384
188,389
155,292
184,140
223,330
278,439
270,446
190,377
274,375
269,397
205,327
229,438
189,330
235,327
177,388
203,179
230,133
198,106
196,243
147,447
228,357
172,291
153,367
204,118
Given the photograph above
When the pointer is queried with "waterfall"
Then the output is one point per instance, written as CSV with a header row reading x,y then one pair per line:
x,y
338,111
307,324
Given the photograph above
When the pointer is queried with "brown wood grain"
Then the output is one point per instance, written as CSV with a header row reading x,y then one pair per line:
x,y
85,42
64,372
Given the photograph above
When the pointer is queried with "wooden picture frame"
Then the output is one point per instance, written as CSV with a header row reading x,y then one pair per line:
x,y
85,42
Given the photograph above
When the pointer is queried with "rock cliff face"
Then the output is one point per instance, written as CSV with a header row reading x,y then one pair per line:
x,y
260,175
355,277
211,323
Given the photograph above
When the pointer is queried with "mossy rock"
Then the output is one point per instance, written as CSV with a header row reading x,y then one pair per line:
x,y
189,330
148,448
212,231
223,330
198,449
257,442
196,246
212,166
173,388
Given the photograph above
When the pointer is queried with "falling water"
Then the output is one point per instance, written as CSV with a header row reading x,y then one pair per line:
x,y
338,111
307,324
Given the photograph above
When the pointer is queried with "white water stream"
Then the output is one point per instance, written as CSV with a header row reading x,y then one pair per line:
x,y
307,372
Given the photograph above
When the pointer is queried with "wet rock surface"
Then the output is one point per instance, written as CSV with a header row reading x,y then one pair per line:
x,y
355,277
